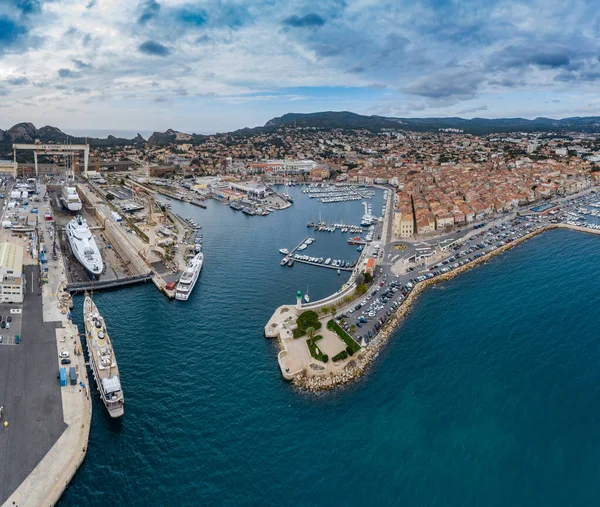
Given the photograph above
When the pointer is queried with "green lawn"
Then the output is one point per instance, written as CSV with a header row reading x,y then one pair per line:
x,y
314,351
332,325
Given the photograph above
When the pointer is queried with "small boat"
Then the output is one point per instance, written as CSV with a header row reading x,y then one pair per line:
x,y
306,297
290,262
360,248
284,251
339,272
328,260
284,261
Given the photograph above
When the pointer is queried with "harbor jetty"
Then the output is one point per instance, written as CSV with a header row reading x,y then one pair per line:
x,y
318,378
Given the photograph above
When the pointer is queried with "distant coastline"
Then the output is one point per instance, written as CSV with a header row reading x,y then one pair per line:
x,y
104,133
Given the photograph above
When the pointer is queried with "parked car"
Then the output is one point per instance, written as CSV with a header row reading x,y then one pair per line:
x,y
65,360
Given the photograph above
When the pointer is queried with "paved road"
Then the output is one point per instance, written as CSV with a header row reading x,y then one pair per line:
x,y
30,393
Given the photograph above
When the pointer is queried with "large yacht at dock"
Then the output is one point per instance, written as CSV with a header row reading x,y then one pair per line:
x,y
102,359
189,277
84,247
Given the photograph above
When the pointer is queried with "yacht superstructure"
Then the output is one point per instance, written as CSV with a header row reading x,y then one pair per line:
x,y
69,198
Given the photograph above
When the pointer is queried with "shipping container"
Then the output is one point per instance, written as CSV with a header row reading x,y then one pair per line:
x,y
63,376
73,375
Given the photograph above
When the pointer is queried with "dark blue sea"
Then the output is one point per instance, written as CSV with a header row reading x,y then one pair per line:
x,y
487,395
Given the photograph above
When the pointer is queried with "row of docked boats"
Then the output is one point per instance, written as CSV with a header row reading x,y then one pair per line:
x,y
324,227
249,209
192,223
319,260
337,193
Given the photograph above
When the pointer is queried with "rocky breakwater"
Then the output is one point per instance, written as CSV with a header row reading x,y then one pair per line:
x,y
358,364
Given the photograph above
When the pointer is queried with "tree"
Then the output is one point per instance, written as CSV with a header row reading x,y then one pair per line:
x,y
361,289
368,277
332,311
310,332
352,328
109,197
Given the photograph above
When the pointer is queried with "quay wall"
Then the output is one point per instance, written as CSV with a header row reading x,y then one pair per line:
x,y
363,359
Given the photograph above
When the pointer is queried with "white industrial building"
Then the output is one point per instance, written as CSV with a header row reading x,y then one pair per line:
x,y
11,273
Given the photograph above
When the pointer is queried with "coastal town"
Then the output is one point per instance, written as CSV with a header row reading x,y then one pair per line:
x,y
450,201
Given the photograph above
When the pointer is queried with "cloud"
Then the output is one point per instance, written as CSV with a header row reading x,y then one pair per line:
x,y
9,30
149,10
191,15
68,73
474,109
153,48
17,81
308,20
451,84
80,64
402,56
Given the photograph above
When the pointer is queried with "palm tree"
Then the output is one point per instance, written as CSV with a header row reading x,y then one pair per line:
x,y
310,332
352,328
332,310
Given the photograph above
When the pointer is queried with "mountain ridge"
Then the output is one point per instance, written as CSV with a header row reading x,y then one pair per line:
x,y
325,120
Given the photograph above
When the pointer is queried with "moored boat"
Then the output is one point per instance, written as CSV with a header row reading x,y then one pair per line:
x,y
189,277
103,362
84,247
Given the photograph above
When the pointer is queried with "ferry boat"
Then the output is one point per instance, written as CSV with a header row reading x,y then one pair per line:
x,y
189,277
102,359
69,198
84,247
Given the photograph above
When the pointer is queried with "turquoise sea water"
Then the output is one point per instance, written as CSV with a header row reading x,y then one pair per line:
x,y
487,395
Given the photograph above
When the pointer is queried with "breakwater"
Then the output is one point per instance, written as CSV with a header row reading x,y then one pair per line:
x,y
362,360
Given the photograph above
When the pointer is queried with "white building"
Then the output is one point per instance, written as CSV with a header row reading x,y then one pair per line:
x,y
11,273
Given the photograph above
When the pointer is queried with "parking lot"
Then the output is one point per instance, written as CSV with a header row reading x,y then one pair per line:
x,y
10,323
364,318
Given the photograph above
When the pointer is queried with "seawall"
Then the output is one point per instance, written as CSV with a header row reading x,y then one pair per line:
x,y
363,359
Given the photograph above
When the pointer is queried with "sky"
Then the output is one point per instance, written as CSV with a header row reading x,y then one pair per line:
x,y
218,65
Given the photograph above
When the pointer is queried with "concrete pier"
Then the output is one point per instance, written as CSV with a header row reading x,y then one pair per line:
x,y
45,441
